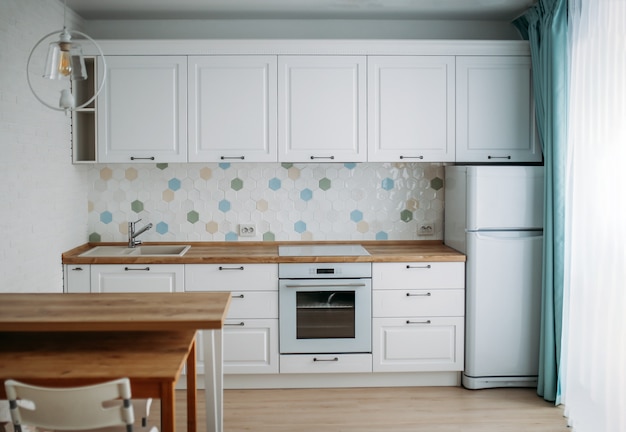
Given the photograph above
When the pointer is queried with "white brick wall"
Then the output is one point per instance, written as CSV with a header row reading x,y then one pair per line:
x,y
43,209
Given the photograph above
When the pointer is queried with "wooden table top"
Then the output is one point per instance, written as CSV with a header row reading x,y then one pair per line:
x,y
44,312
81,358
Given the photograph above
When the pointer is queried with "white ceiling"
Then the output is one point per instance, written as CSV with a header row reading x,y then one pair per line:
x,y
504,10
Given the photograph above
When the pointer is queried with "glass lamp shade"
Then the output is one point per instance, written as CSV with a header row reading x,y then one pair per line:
x,y
65,60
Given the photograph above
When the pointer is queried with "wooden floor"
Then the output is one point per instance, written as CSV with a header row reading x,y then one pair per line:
x,y
432,409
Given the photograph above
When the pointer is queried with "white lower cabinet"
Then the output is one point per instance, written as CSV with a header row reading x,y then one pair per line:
x,y
119,278
418,316
137,278
422,344
325,363
251,329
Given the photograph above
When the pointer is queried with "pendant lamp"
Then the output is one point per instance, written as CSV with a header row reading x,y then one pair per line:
x,y
64,63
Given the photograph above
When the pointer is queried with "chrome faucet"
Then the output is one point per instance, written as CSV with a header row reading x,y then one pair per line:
x,y
132,235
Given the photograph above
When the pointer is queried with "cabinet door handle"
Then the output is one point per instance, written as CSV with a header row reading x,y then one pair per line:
x,y
240,324
411,157
499,157
77,269
418,322
232,157
418,295
142,158
418,267
322,157
334,359
136,269
238,296
230,268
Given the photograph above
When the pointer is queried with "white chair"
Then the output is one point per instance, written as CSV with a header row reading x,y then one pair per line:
x,y
100,407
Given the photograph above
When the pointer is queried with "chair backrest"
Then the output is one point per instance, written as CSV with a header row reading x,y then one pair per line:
x,y
75,408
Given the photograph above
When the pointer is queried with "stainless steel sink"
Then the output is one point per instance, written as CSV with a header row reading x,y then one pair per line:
x,y
152,250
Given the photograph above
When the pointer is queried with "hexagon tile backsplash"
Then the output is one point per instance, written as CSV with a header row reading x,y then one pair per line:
x,y
286,202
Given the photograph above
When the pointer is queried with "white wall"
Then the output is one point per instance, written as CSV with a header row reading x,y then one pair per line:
x,y
43,197
300,29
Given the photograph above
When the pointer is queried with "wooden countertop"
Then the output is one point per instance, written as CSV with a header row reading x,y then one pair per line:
x,y
267,252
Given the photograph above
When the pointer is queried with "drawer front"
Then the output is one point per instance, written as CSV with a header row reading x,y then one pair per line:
x,y
253,304
402,303
418,275
417,345
231,277
325,363
77,278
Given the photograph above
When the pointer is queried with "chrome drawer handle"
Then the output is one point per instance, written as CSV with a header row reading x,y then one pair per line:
x,y
418,267
230,268
77,269
411,157
142,158
232,157
238,296
418,295
334,359
322,157
136,269
418,322
324,286
241,324
499,157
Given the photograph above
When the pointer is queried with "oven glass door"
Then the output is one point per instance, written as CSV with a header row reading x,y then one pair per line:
x,y
325,316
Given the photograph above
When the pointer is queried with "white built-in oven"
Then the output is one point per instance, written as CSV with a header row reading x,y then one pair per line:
x,y
325,307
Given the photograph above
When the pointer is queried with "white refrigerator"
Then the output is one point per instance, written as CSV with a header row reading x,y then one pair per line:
x,y
494,215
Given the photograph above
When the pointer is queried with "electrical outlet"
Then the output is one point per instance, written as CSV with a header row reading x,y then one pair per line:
x,y
426,229
247,230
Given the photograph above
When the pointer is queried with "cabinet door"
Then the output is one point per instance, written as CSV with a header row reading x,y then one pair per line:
x,y
142,111
418,275
495,111
411,108
119,278
232,109
250,347
322,109
231,277
403,303
77,278
417,344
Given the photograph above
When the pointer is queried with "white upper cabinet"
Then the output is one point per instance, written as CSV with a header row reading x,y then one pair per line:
x,y
142,111
495,119
411,108
322,109
232,109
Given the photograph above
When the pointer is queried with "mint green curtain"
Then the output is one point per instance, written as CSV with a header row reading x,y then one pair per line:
x,y
545,27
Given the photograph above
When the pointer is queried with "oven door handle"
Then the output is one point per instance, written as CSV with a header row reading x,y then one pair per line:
x,y
351,285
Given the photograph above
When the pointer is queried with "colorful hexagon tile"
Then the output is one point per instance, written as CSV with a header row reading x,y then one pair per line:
x,y
274,184
436,183
106,217
387,184
306,194
324,184
236,184
131,174
212,227
174,184
95,238
206,173
356,215
136,206
231,236
224,206
299,227
269,236
162,228
193,216
381,235
406,215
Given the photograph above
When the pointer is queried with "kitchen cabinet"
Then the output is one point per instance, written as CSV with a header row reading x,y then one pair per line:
x,y
411,108
77,278
495,120
322,108
251,327
325,363
418,316
142,110
232,109
137,278
85,278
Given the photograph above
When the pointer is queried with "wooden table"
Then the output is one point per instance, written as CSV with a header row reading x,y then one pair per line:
x,y
140,319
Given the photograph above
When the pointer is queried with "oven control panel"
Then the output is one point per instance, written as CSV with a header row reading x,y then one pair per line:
x,y
324,270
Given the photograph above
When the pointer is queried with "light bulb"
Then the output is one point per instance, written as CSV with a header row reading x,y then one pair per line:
x,y
65,61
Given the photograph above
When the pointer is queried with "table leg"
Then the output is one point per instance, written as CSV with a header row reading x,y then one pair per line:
x,y
191,389
168,408
213,379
